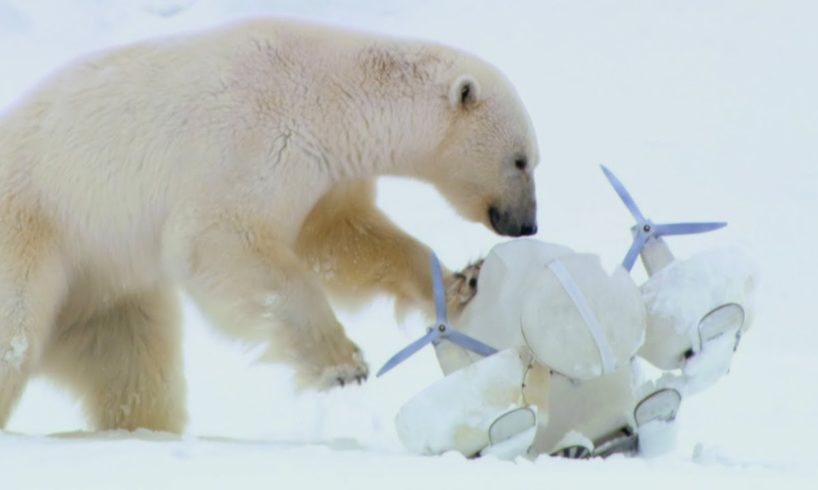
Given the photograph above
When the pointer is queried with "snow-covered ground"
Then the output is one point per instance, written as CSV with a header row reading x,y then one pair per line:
x,y
706,110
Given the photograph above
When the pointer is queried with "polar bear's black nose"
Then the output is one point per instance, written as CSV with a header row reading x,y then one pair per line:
x,y
505,224
528,230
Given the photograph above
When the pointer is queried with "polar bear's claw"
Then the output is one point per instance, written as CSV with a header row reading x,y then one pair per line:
x,y
462,286
345,374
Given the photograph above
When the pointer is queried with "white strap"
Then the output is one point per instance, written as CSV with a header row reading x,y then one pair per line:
x,y
605,354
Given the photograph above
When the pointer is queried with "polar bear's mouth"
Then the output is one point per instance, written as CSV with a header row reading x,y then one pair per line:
x,y
504,224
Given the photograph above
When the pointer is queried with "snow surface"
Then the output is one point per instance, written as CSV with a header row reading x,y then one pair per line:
x,y
705,110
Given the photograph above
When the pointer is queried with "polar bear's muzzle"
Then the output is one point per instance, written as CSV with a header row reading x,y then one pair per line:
x,y
513,224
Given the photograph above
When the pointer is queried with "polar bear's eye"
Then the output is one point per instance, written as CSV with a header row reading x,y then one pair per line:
x,y
521,163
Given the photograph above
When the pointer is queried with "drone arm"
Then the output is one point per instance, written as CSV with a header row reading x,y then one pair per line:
x,y
656,255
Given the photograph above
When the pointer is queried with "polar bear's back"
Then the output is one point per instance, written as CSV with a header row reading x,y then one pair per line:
x,y
141,122
118,137
113,148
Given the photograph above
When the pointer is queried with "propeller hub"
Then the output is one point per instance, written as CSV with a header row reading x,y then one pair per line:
x,y
645,229
439,330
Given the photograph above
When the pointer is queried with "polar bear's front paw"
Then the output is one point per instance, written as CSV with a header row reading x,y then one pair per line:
x,y
462,286
344,374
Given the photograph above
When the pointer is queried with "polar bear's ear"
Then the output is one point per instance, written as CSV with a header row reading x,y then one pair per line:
x,y
464,92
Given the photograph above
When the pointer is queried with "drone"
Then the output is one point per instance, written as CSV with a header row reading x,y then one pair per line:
x,y
551,324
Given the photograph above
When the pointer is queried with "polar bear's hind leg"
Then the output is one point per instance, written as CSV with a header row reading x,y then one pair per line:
x,y
125,363
32,285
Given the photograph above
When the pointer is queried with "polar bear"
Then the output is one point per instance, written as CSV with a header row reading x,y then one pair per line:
x,y
237,165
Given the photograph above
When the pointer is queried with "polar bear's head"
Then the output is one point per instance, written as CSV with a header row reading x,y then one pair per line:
x,y
485,161
457,123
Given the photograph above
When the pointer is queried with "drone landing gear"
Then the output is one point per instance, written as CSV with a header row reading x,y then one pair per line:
x,y
654,416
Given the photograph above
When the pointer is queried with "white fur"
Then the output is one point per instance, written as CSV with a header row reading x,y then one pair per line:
x,y
226,162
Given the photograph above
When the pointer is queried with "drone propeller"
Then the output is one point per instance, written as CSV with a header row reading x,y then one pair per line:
x,y
440,331
646,229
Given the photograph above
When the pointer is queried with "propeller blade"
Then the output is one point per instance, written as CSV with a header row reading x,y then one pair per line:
x,y
469,343
409,350
439,291
686,228
623,194
638,242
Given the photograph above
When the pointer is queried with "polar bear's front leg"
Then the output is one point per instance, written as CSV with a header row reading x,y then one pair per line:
x,y
256,289
359,252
